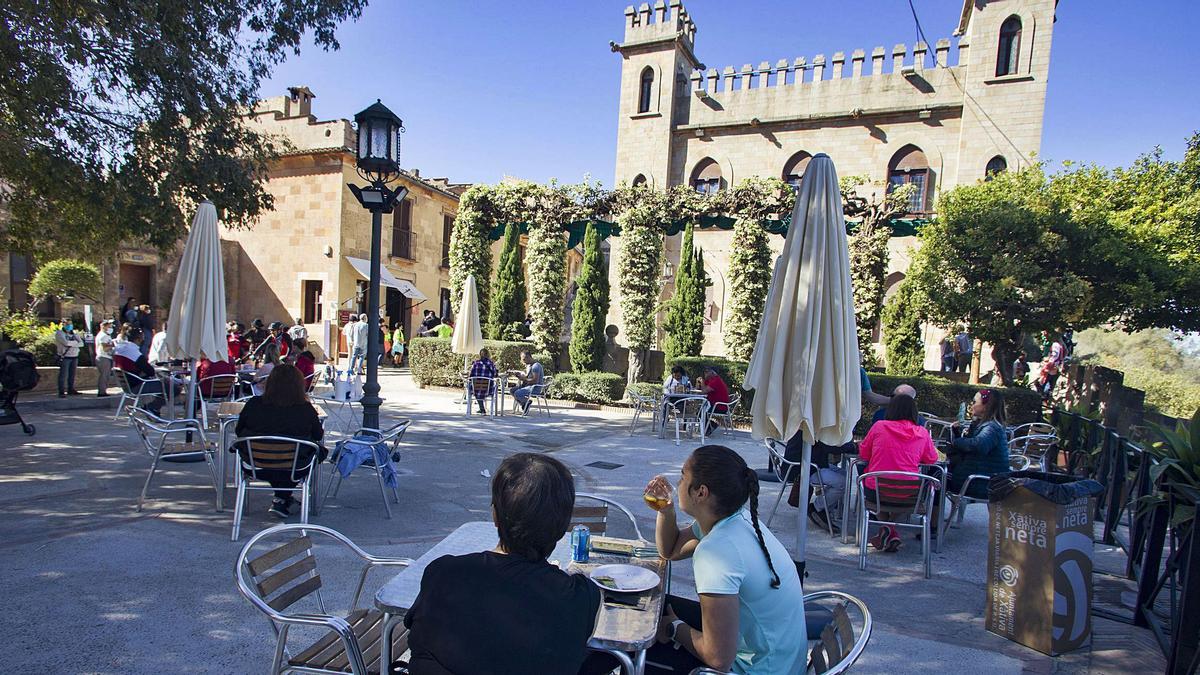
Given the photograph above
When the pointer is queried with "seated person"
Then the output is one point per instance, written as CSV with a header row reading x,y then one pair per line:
x,y
444,330
905,389
129,358
306,363
483,367
508,610
715,391
270,360
206,369
678,381
983,449
896,443
281,410
527,381
749,614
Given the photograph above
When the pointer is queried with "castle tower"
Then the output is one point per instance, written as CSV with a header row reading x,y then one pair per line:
x,y
657,59
1005,48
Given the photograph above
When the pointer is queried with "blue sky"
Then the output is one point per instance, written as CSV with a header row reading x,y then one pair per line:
x,y
529,89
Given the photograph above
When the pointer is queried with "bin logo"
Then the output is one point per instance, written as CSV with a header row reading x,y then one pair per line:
x,y
1008,574
1073,555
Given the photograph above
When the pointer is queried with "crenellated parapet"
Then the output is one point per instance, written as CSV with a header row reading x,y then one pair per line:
x,y
802,73
663,20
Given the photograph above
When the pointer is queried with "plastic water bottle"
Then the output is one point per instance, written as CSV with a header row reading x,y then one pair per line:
x,y
580,540
962,412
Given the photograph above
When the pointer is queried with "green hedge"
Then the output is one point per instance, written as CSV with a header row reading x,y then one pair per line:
x,y
645,388
588,387
942,397
433,362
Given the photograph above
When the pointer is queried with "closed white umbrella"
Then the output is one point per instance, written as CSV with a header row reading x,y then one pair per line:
x,y
196,326
804,369
468,336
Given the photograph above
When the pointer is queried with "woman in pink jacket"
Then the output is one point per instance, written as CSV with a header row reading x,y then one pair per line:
x,y
895,443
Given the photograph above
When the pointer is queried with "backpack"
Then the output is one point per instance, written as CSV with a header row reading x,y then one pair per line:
x,y
18,370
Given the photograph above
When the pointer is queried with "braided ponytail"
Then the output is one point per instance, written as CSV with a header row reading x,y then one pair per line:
x,y
752,488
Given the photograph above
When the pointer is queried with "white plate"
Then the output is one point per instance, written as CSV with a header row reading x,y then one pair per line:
x,y
625,578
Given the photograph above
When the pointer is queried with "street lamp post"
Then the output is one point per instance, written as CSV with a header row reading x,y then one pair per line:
x,y
378,153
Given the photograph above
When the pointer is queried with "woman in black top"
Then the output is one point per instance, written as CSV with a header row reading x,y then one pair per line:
x,y
508,610
282,410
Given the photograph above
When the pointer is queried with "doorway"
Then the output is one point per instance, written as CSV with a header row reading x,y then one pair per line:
x,y
398,307
135,281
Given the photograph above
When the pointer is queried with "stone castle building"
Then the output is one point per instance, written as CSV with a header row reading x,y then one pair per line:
x,y
935,116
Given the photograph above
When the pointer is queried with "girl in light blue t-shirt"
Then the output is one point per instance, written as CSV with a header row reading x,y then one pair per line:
x,y
751,608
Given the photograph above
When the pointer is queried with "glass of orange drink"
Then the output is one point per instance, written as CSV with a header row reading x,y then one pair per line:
x,y
659,493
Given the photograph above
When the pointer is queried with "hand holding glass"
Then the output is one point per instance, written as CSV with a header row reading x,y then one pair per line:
x,y
659,494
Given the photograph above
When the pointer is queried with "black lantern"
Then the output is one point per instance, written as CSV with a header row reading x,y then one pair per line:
x,y
378,155
378,149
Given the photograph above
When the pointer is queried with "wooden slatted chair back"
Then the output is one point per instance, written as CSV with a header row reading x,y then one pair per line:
x,y
594,517
481,386
123,381
219,386
837,639
286,574
272,454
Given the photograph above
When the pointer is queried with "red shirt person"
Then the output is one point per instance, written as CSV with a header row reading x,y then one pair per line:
x,y
714,387
206,369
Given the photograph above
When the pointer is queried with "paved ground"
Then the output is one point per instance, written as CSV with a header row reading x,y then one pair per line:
x,y
94,586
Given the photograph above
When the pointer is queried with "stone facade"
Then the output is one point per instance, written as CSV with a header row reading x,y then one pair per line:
x,y
866,108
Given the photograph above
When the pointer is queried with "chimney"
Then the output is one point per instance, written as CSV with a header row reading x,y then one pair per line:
x,y
301,101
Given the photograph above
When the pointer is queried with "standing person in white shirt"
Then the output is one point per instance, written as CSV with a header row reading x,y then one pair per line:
x,y
158,347
298,331
358,356
348,331
104,356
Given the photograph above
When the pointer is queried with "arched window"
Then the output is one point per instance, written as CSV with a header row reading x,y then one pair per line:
x,y
1010,46
706,177
909,167
645,89
793,171
995,165
639,180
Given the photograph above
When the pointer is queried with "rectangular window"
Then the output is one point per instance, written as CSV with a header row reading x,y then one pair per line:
x,y
402,230
310,290
447,231
917,202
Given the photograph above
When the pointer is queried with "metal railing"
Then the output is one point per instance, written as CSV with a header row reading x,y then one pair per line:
x,y
1134,498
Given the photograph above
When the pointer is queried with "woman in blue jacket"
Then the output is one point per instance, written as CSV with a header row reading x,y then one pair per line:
x,y
983,449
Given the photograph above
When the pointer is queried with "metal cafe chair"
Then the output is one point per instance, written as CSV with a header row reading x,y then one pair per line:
x,y
837,648
1035,447
596,517
723,412
1032,429
643,404
484,388
174,438
221,388
390,438
275,580
960,500
537,394
899,492
133,392
291,457
787,472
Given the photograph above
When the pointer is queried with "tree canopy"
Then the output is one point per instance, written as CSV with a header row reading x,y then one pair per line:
x,y
590,308
118,116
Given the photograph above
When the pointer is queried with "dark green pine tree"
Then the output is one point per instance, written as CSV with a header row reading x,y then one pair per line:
x,y
508,288
591,307
682,312
699,300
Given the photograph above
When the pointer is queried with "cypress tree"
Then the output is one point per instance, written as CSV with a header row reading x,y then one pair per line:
x,y
508,288
684,324
750,277
902,331
590,308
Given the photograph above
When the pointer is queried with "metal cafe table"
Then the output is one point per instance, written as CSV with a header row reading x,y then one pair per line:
x,y
621,630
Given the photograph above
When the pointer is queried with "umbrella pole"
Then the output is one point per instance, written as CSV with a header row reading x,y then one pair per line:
x,y
802,512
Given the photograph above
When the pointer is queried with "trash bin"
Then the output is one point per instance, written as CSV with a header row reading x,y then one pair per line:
x,y
1039,590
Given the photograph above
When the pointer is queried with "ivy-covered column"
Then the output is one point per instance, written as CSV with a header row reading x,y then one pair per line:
x,y
470,247
639,267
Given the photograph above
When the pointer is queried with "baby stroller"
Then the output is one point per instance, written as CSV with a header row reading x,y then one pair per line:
x,y
18,373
